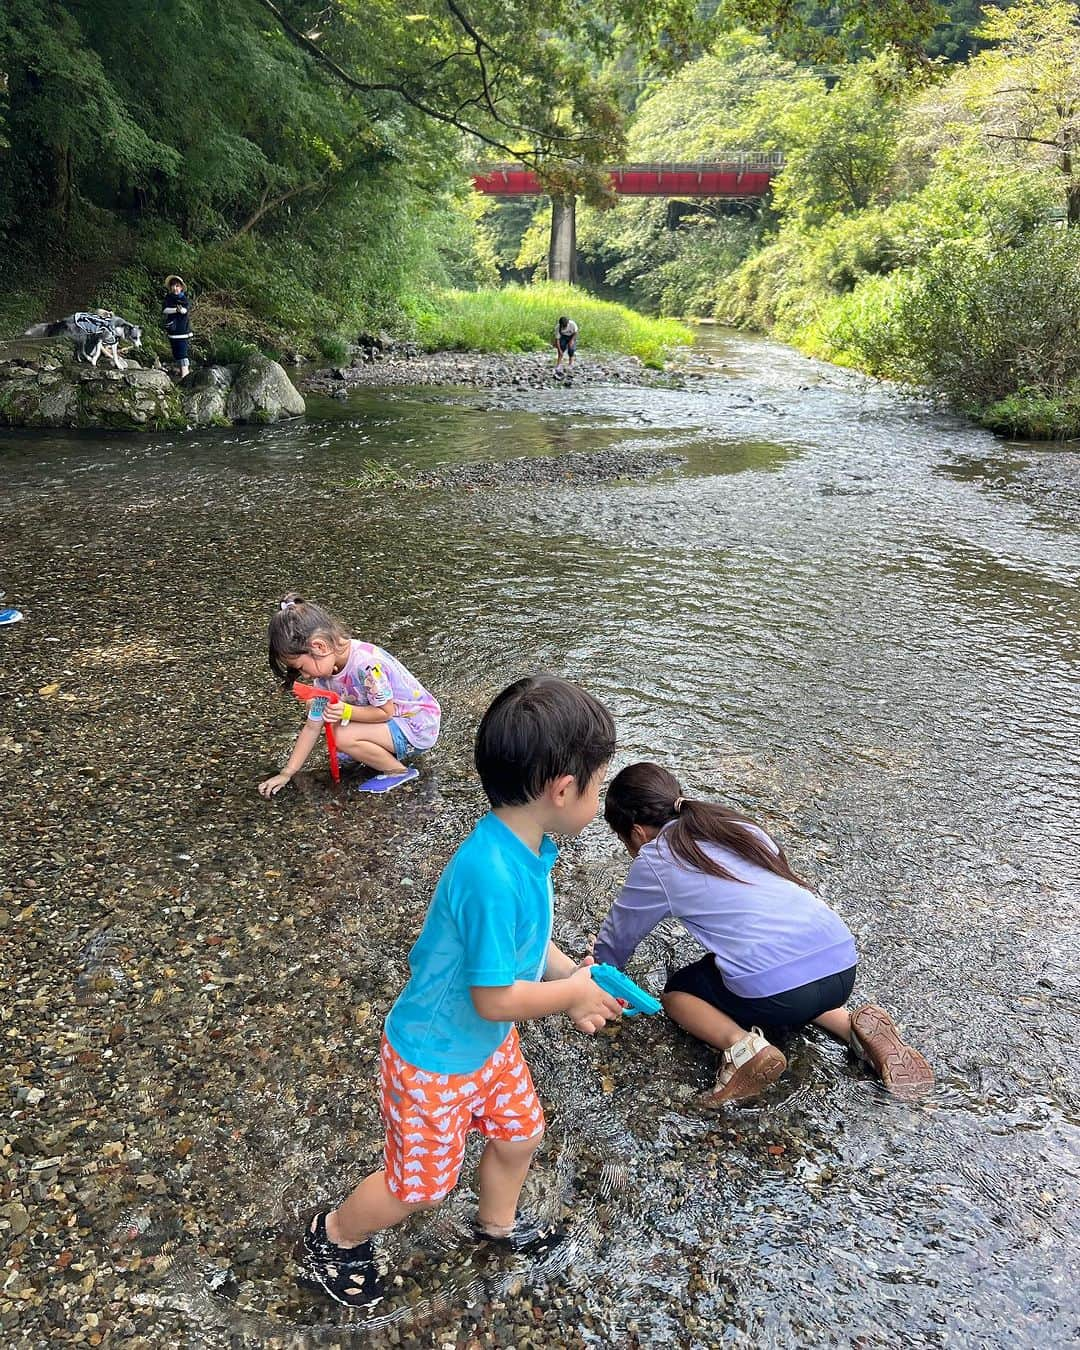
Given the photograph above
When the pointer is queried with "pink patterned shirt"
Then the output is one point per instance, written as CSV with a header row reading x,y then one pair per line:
x,y
372,676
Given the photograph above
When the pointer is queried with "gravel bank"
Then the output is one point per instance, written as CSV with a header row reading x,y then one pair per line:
x,y
531,370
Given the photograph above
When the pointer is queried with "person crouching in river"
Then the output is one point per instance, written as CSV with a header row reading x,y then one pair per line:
x,y
775,954
566,331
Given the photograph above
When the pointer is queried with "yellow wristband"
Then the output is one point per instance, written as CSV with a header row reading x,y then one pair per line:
x,y
346,712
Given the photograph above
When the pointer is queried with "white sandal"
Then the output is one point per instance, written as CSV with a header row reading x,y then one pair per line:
x,y
746,1070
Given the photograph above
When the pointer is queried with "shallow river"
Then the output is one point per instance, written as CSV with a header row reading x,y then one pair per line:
x,y
853,617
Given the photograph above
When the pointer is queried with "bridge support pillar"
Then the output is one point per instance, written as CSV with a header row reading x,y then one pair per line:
x,y
562,251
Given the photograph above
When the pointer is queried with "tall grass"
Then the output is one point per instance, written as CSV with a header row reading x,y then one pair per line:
x,y
522,319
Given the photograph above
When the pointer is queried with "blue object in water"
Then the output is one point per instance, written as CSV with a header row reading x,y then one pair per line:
x,y
618,985
387,782
10,616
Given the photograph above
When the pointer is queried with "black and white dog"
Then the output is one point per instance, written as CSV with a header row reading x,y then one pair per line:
x,y
94,332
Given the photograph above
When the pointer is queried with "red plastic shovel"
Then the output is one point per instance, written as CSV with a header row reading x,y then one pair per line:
x,y
304,692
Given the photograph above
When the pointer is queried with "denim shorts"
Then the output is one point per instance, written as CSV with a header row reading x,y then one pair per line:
x,y
179,348
403,747
792,1008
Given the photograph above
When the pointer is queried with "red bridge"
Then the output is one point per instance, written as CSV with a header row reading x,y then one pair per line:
x,y
744,174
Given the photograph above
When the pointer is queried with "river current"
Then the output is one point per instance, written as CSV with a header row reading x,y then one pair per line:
x,y
846,613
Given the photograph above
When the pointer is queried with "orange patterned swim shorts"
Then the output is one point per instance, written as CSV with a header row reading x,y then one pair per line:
x,y
428,1115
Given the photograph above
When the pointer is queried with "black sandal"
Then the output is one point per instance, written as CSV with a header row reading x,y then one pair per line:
x,y
528,1237
346,1274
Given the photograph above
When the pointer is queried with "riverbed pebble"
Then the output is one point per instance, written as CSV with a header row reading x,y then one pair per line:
x,y
530,370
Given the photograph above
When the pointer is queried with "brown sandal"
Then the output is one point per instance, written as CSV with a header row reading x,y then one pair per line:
x,y
876,1039
746,1070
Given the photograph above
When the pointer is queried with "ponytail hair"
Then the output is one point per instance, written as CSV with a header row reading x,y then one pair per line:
x,y
295,623
647,794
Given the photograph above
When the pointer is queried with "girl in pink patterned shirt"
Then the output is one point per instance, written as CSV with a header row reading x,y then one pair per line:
x,y
384,715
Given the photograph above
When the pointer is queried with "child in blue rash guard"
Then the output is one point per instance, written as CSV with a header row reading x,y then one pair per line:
x,y
450,1061
776,955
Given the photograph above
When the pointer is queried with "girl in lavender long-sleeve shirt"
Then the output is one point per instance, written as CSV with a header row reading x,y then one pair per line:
x,y
776,954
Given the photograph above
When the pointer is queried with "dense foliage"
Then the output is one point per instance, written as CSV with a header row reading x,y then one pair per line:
x,y
302,164
910,231
997,332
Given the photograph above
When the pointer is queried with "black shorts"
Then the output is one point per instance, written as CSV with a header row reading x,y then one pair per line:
x,y
179,348
793,1008
566,342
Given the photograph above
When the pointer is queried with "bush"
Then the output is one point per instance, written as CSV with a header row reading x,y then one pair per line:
x,y
996,333
334,349
522,319
1030,414
226,349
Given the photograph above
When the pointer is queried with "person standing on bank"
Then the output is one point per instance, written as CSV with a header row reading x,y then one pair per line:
x,y
176,311
566,331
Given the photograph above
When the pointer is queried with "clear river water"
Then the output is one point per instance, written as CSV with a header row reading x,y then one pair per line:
x,y
845,612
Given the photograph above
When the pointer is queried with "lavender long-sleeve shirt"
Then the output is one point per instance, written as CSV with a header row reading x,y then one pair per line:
x,y
766,934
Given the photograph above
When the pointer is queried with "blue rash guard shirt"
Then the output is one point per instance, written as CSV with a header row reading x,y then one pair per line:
x,y
489,924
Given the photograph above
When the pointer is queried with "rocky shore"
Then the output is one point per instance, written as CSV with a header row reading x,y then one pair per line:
x,y
405,364
577,466
41,385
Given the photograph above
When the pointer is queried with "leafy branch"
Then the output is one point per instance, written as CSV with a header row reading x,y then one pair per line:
x,y
423,99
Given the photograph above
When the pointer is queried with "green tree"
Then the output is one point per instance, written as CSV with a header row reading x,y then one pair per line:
x,y
675,255
711,106
838,142
1025,92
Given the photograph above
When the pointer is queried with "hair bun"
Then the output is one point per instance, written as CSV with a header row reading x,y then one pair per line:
x,y
290,599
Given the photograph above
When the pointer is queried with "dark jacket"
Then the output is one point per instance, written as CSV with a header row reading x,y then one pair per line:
x,y
176,314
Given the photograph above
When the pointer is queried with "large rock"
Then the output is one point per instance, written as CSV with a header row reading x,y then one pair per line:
x,y
262,392
205,396
42,386
129,399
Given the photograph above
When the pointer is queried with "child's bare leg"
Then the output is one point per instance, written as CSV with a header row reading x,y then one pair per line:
x,y
371,744
702,1020
837,1022
369,1209
500,1177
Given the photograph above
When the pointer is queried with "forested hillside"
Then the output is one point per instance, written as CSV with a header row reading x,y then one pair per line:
x,y
921,227
304,166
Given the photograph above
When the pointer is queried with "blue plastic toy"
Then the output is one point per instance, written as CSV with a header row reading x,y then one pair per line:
x,y
618,985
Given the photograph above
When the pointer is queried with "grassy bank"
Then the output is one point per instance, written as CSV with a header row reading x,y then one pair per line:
x,y
249,300
522,319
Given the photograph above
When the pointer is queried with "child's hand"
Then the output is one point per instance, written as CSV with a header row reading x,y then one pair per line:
x,y
332,712
591,1007
270,787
